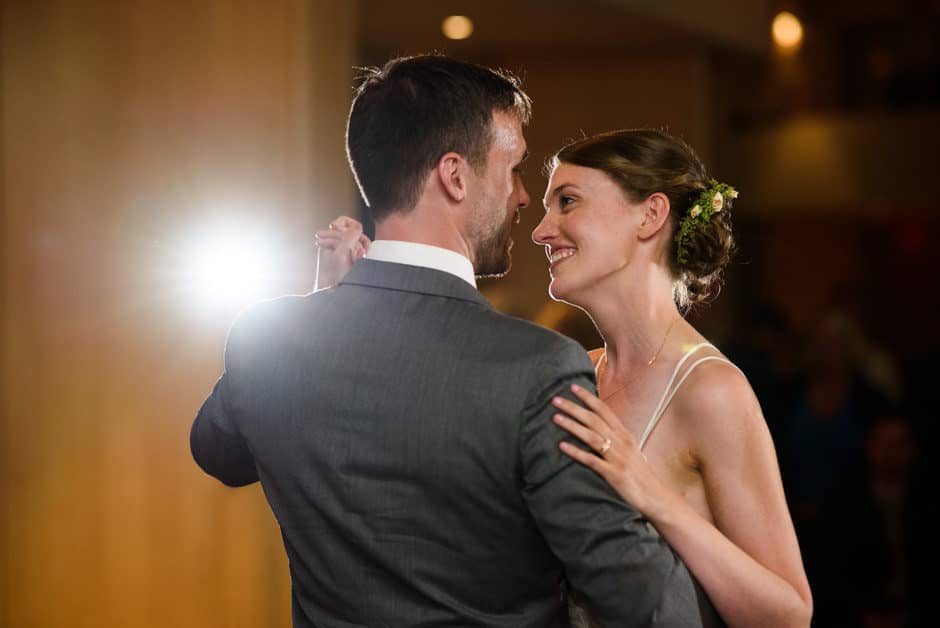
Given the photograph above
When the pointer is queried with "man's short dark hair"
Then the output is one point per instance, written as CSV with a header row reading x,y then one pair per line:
x,y
408,114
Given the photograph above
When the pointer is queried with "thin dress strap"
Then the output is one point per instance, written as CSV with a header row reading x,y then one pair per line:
x,y
671,390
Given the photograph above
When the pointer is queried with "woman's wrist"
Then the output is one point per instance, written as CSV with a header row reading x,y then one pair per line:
x,y
663,507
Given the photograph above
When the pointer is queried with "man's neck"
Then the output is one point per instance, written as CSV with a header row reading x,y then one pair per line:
x,y
417,226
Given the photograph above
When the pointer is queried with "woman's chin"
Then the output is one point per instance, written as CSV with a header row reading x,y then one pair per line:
x,y
564,292
557,290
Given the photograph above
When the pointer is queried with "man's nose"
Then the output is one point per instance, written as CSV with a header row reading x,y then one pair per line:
x,y
524,198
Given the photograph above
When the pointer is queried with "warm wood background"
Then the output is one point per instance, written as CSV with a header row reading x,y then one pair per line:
x,y
126,125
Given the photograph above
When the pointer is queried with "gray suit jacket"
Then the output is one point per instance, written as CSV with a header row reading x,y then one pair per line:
x,y
401,429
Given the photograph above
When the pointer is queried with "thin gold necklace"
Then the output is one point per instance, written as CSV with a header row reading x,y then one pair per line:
x,y
603,359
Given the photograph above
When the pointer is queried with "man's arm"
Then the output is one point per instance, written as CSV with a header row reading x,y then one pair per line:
x,y
626,573
217,446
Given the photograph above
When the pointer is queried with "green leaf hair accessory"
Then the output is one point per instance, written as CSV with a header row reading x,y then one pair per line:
x,y
713,199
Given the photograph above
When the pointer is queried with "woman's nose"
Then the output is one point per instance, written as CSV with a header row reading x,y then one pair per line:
x,y
544,231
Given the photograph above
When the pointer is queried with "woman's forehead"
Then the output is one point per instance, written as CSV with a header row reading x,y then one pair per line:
x,y
565,174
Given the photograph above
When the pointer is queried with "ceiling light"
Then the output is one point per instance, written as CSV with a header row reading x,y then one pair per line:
x,y
787,30
457,27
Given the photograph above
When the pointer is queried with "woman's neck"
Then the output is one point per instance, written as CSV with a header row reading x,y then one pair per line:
x,y
634,311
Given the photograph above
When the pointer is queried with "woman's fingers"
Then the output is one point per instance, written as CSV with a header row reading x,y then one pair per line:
x,y
343,228
582,414
587,436
593,402
345,223
340,247
328,241
356,243
596,463
342,234
604,413
365,243
329,235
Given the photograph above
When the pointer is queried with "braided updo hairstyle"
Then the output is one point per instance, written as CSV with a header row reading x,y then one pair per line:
x,y
645,161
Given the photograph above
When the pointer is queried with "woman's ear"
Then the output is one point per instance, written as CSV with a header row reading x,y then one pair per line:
x,y
656,213
451,172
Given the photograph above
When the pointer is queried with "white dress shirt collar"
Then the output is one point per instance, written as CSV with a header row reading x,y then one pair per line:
x,y
424,255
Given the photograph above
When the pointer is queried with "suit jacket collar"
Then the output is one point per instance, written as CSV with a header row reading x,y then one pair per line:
x,y
406,278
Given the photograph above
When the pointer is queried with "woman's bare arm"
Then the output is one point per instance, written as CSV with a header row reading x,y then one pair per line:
x,y
748,562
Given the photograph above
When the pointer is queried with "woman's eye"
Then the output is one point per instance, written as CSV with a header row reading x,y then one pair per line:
x,y
564,201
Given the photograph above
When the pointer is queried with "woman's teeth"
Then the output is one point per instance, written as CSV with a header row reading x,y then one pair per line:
x,y
562,254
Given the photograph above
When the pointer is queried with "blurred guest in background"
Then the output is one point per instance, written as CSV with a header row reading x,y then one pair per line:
x,y
764,347
845,384
878,538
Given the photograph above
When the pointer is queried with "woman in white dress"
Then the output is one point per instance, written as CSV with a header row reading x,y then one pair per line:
x,y
635,233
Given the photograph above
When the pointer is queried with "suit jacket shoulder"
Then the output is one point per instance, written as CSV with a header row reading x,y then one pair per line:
x,y
550,354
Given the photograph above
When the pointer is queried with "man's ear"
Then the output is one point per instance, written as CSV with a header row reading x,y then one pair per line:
x,y
452,173
655,215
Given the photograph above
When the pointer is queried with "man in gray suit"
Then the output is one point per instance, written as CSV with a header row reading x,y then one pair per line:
x,y
401,428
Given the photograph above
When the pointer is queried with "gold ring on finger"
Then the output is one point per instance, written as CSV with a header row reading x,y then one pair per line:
x,y
605,447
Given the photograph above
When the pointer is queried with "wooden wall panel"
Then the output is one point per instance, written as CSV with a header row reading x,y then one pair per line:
x,y
125,127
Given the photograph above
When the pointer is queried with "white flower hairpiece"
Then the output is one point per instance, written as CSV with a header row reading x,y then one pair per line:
x,y
713,199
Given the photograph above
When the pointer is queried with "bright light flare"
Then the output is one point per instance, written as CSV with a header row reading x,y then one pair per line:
x,y
229,268
787,30
457,27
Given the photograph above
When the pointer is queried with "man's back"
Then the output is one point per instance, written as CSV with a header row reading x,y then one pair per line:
x,y
401,430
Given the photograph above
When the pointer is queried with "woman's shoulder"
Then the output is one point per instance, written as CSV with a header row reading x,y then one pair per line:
x,y
721,419
715,394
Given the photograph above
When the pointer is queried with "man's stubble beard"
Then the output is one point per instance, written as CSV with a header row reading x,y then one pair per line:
x,y
492,254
